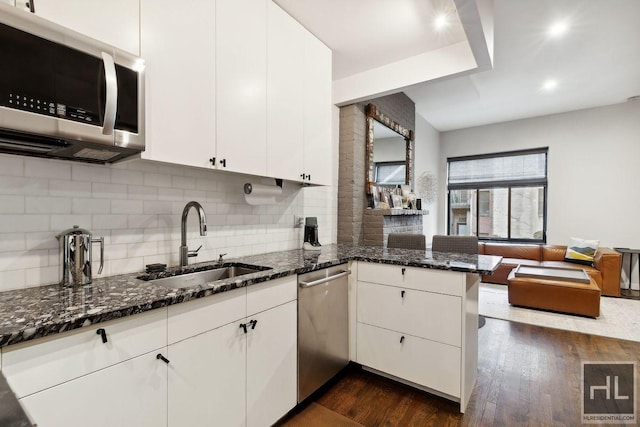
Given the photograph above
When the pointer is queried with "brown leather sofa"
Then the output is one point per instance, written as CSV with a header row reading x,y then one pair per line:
x,y
605,271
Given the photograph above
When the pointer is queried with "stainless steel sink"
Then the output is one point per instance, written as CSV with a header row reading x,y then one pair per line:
x,y
190,280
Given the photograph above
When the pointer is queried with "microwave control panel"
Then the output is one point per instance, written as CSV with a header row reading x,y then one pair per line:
x,y
49,108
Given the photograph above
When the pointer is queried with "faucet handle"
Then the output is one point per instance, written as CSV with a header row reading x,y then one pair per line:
x,y
194,253
220,258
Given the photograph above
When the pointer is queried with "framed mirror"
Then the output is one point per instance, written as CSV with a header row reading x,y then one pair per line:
x,y
389,151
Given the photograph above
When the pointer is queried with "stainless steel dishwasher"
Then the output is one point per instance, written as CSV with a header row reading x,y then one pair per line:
x,y
323,327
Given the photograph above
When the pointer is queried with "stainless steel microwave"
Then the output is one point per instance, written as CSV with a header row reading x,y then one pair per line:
x,y
65,95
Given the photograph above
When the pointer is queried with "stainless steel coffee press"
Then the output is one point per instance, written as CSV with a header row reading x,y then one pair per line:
x,y
75,256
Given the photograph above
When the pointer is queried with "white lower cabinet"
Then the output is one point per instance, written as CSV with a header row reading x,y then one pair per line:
x,y
226,360
207,379
424,362
130,394
271,365
419,325
243,373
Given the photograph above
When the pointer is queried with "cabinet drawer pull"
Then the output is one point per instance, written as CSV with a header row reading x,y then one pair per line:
x,y
103,334
401,339
244,327
159,356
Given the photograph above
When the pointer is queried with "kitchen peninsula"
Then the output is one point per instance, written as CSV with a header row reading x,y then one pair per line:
x,y
427,284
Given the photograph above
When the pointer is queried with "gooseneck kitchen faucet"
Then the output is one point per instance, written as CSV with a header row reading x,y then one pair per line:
x,y
185,253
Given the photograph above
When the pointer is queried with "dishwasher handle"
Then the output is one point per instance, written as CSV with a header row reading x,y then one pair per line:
x,y
324,279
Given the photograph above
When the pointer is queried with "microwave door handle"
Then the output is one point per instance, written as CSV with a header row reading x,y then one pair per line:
x,y
111,101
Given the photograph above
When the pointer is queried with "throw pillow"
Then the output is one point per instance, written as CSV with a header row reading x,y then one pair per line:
x,y
581,251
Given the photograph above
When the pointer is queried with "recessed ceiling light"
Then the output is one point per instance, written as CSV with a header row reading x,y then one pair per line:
x,y
441,21
558,29
549,85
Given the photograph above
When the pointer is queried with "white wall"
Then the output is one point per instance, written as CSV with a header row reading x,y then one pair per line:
x,y
427,159
593,170
137,207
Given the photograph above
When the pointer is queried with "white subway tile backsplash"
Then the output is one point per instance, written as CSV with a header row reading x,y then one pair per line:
x,y
184,182
142,221
24,259
142,249
157,207
12,204
128,235
47,205
47,168
10,242
60,223
13,279
11,165
37,276
171,194
127,177
23,223
110,221
114,251
157,180
126,206
41,240
90,206
64,188
108,191
127,265
137,207
90,173
23,186
142,192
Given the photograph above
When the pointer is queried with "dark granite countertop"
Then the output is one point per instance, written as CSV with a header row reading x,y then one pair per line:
x,y
36,312
31,313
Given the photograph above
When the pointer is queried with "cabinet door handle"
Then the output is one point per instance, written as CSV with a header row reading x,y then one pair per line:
x,y
103,334
401,339
213,161
244,327
253,324
223,162
403,270
302,176
402,294
31,5
159,356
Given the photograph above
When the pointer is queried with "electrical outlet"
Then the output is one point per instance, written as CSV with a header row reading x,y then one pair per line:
x,y
298,221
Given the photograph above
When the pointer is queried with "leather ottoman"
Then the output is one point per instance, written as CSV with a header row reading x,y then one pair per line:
x,y
556,295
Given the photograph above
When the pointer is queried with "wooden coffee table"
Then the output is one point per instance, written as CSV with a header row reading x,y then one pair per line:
x,y
555,290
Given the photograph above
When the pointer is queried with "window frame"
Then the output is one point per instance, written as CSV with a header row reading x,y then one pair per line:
x,y
508,184
389,163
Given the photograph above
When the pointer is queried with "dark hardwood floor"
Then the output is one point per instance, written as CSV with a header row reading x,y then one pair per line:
x,y
527,376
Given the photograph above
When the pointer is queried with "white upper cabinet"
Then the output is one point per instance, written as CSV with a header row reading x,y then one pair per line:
x,y
116,22
299,102
178,45
241,85
236,85
317,111
285,83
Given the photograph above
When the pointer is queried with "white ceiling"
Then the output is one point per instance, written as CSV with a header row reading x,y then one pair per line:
x,y
597,62
365,34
